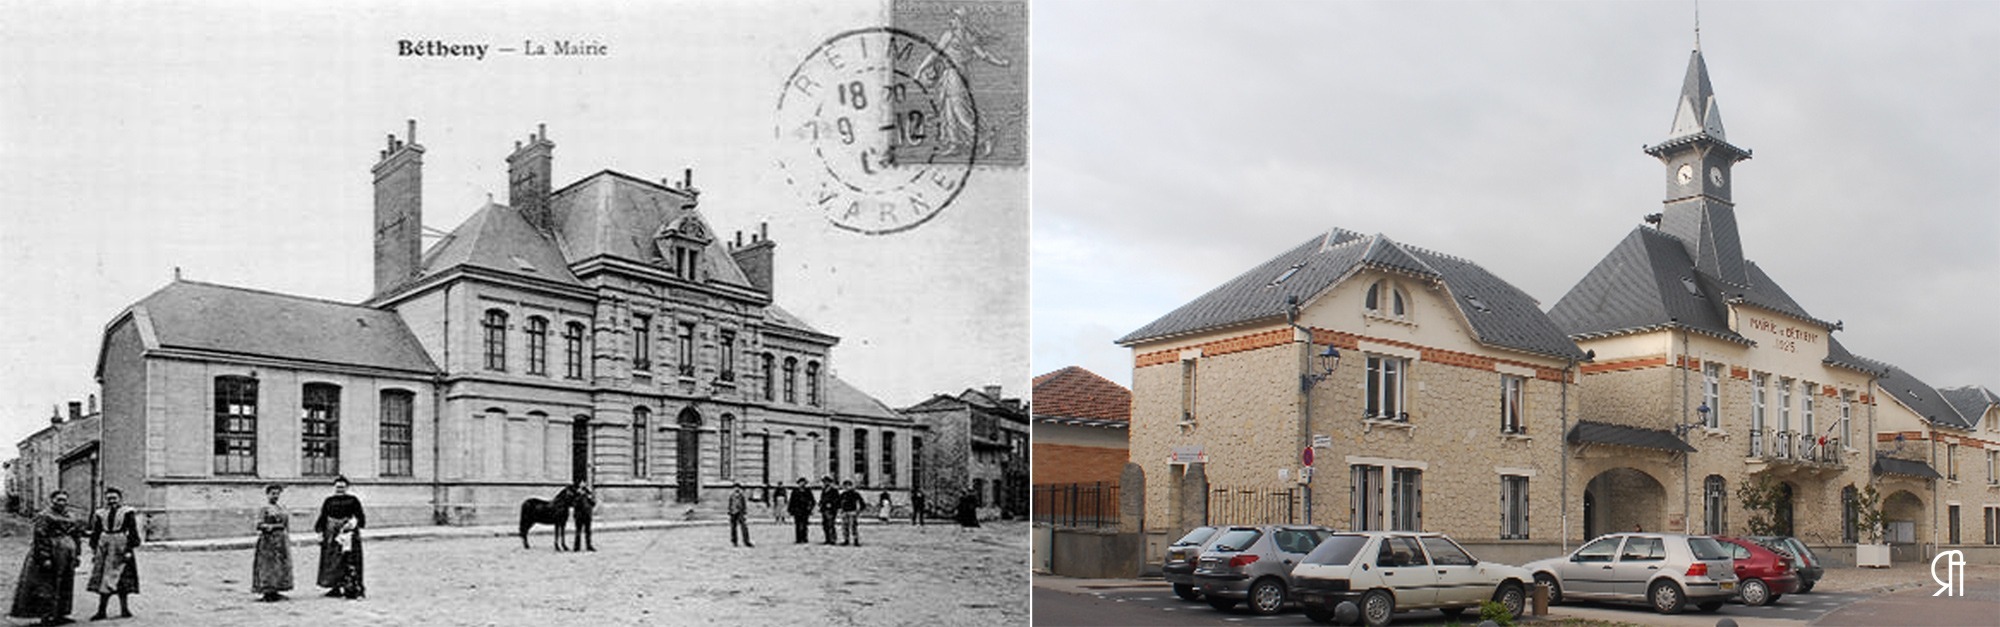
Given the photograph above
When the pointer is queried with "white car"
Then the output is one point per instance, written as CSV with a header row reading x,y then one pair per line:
x,y
1384,572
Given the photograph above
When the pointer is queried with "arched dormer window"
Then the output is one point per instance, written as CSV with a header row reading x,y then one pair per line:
x,y
1384,290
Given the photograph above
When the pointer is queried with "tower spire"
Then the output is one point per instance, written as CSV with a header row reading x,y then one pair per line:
x,y
1697,25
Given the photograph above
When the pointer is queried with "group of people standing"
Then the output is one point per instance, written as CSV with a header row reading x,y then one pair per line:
x,y
46,589
838,506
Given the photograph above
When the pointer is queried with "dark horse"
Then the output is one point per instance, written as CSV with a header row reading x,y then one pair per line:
x,y
556,512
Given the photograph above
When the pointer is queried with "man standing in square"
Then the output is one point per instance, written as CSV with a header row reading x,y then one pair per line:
x,y
851,502
739,515
829,508
801,510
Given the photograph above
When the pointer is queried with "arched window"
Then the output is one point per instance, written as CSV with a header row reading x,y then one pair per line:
x,y
496,339
640,450
1715,503
791,380
1373,301
573,351
235,425
321,435
1850,514
397,415
860,458
538,345
888,459
812,383
770,377
727,447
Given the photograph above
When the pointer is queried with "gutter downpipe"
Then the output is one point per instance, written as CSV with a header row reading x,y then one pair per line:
x,y
1305,393
1686,515
1562,447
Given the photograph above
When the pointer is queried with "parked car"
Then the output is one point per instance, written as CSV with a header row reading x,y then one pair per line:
x,y
1665,570
1179,567
1803,560
1254,564
1762,574
1384,572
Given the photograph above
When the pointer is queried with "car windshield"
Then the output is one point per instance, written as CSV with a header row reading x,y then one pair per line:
x,y
1336,550
1707,549
1236,540
1195,537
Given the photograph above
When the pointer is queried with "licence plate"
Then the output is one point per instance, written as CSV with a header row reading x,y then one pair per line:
x,y
1310,599
1729,585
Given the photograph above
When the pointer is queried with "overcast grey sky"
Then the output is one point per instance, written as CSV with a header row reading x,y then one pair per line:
x,y
1179,144
236,143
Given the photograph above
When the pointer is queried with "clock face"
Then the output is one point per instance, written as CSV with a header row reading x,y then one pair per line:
x,y
1715,176
1686,174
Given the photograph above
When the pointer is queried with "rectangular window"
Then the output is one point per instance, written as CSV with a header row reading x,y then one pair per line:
x,y
1846,418
728,343
686,341
573,351
1807,431
642,342
1365,497
1510,404
1785,436
495,327
888,459
1993,525
538,346
916,462
861,458
1951,461
791,380
1406,499
235,426
398,409
1385,389
1513,507
727,447
1187,390
1711,393
1993,468
321,436
1951,518
1715,504
1757,382
812,384
833,453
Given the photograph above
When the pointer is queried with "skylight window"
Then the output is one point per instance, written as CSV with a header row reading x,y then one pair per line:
x,y
1688,282
1478,304
1287,274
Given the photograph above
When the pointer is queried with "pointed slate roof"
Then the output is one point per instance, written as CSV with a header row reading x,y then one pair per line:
x,y
618,215
497,238
1697,116
1076,393
239,321
1972,402
1920,397
1499,313
1648,282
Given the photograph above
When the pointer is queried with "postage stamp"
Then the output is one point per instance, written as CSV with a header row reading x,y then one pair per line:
x,y
988,42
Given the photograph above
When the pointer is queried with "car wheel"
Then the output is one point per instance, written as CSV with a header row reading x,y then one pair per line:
x,y
1378,607
1555,589
1709,606
1188,592
1221,603
1267,596
1666,597
1805,587
1319,615
1512,597
1755,592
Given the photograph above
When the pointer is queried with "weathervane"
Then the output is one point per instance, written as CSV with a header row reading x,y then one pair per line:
x,y
1697,24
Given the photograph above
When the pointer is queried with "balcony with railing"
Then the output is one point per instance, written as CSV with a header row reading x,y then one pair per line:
x,y
1800,451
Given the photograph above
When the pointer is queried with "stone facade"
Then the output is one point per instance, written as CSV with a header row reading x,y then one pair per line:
x,y
977,442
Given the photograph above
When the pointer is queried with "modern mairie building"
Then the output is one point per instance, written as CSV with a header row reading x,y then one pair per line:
x,y
1708,376
601,331
1444,410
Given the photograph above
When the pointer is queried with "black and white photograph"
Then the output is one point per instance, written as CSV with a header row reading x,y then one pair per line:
x,y
516,313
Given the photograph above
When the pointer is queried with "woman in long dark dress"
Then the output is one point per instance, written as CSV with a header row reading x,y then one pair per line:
x,y
114,533
271,568
47,587
339,526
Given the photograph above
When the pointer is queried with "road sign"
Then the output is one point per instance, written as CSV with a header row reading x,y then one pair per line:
x,y
1306,457
1187,455
1322,441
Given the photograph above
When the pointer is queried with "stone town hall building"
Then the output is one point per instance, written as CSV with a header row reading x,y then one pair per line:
x,y
599,331
1674,373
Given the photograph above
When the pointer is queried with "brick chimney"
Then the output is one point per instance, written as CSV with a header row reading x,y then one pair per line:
x,y
755,257
399,211
55,416
75,410
528,184
993,391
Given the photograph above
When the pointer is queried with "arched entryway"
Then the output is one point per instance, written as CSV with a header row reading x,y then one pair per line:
x,y
687,457
1623,499
1903,518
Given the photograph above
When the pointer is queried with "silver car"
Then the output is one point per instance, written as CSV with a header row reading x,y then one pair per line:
x,y
1179,566
1254,564
1665,570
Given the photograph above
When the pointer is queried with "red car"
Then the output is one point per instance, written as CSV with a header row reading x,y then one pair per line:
x,y
1763,574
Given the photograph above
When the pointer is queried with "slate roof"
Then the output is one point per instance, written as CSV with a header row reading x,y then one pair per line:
x,y
223,319
1499,313
1588,431
1885,465
615,214
1648,282
1920,397
971,398
1075,393
497,238
1971,401
847,400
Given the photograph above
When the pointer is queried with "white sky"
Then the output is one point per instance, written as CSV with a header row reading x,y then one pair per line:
x,y
235,144
1181,144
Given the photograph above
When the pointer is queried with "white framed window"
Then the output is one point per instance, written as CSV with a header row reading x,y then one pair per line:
x,y
1846,418
1406,499
1385,299
1385,388
1715,505
1951,462
1511,387
1711,393
1188,377
1806,428
1993,467
1513,507
1784,405
1757,381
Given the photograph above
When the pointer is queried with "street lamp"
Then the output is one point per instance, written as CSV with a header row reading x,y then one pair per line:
x,y
1326,361
1701,413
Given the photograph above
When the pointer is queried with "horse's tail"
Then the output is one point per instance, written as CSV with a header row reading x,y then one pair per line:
x,y
528,509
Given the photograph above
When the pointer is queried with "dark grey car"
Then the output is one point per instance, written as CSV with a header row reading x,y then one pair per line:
x,y
1179,566
1254,564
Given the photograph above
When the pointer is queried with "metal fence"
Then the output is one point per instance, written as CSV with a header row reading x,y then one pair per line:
x,y
1244,506
1076,504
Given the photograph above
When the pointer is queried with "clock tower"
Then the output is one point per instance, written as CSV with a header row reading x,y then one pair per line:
x,y
1699,159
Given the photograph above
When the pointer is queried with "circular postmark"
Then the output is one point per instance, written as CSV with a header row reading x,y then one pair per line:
x,y
861,130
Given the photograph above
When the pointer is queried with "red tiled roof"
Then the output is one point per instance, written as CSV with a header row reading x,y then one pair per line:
x,y
1073,392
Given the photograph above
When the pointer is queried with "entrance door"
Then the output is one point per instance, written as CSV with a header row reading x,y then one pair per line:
x,y
579,449
687,458
1782,511
1590,515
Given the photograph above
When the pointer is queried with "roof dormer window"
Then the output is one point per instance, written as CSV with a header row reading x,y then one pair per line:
x,y
1394,295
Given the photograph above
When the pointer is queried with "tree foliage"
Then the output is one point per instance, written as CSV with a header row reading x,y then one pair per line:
x,y
1760,500
1868,515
